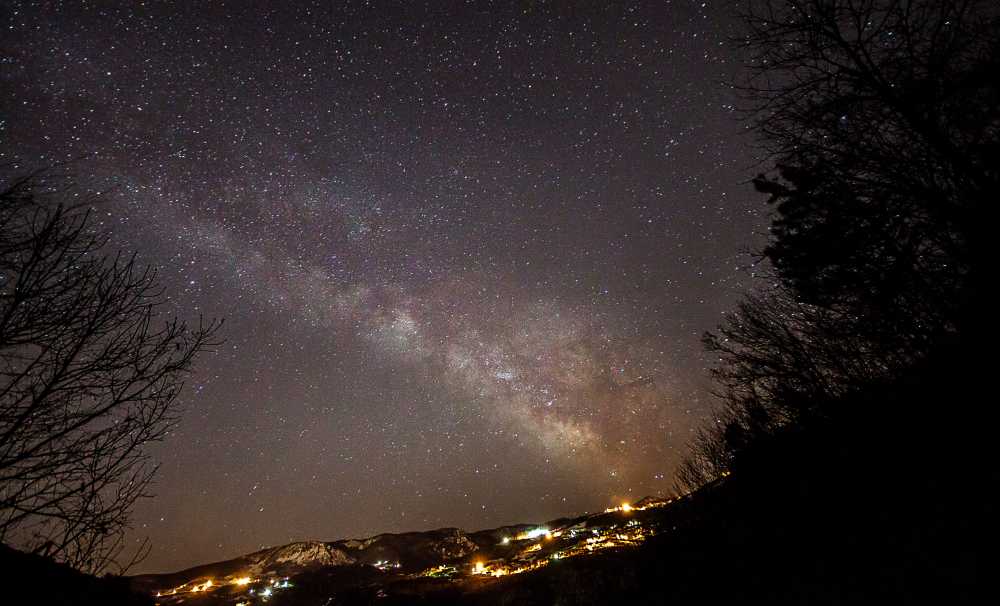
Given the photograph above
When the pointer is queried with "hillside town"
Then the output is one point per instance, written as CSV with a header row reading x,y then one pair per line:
x,y
479,557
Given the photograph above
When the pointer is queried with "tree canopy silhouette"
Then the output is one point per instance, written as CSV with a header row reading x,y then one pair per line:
x,y
89,376
882,118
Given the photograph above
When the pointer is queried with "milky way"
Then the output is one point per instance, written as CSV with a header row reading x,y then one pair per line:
x,y
465,252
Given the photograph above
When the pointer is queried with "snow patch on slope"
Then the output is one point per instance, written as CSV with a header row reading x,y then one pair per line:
x,y
305,554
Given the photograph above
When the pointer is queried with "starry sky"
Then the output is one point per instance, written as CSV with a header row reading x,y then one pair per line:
x,y
465,251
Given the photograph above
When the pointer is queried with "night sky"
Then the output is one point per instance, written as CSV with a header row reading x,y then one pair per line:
x,y
465,251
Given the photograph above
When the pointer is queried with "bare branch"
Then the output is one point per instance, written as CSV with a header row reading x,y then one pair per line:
x,y
89,376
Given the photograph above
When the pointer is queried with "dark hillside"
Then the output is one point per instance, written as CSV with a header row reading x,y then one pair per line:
x,y
31,579
887,502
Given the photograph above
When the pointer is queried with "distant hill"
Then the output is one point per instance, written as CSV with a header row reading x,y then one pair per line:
x,y
407,560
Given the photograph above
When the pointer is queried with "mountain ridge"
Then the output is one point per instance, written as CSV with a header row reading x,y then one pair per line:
x,y
446,550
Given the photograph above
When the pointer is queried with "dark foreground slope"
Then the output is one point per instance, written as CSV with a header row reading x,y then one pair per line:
x,y
31,579
890,501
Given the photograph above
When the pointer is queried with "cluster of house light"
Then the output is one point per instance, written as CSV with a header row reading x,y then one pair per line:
x,y
633,534
210,585
628,508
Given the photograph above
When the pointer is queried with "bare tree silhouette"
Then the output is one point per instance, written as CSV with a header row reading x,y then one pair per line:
x,y
883,117
883,120
89,376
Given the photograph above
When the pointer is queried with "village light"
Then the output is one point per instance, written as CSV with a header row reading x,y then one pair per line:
x,y
534,534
